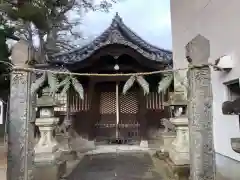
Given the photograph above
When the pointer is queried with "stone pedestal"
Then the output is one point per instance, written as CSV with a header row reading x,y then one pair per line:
x,y
51,171
177,172
48,163
168,138
47,145
179,149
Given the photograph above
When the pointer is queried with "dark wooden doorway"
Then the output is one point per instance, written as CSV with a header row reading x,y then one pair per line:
x,y
118,122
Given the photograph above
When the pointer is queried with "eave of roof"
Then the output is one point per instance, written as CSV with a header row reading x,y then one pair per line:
x,y
132,39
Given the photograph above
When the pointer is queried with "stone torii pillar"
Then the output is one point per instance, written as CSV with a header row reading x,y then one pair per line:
x,y
202,155
20,129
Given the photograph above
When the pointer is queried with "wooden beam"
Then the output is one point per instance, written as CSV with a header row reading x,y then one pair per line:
x,y
123,67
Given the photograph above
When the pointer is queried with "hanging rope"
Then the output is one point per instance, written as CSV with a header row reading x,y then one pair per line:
x,y
32,69
113,74
133,76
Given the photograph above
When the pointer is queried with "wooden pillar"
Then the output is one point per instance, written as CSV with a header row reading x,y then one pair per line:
x,y
93,113
68,108
20,131
202,155
142,115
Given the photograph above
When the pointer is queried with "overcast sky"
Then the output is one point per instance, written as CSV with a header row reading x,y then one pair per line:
x,y
150,19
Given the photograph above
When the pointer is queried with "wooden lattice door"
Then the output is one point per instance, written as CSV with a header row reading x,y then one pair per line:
x,y
118,116
128,122
106,125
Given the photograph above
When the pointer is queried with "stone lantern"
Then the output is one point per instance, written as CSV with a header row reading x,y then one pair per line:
x,y
179,149
47,155
46,123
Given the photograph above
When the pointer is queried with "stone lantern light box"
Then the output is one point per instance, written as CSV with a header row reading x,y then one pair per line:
x,y
46,106
178,104
47,143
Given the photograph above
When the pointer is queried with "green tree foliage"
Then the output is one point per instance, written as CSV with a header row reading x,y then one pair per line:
x,y
6,32
48,17
30,11
51,19
4,54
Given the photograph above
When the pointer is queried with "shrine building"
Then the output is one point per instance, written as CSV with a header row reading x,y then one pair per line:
x,y
106,115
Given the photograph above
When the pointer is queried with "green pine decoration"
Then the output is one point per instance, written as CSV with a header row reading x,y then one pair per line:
x,y
38,83
46,77
78,87
144,84
140,80
53,82
164,84
66,86
129,84
71,81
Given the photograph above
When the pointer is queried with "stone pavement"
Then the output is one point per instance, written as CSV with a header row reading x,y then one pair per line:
x,y
125,165
116,166
3,162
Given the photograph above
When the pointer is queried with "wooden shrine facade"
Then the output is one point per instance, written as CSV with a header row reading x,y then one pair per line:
x,y
105,112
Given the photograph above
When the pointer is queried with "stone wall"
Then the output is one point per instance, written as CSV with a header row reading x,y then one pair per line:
x,y
227,168
217,20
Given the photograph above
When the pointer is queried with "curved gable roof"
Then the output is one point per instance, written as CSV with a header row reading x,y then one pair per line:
x,y
116,33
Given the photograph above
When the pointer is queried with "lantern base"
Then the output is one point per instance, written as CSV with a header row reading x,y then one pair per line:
x,y
46,170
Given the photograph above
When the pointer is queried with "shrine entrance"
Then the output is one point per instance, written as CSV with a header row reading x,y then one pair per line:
x,y
118,122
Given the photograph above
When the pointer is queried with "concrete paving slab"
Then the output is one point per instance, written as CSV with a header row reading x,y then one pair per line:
x,y
116,166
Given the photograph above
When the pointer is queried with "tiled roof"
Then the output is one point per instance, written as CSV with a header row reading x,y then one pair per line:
x,y
116,33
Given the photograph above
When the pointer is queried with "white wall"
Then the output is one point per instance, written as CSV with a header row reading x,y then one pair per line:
x,y
218,21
